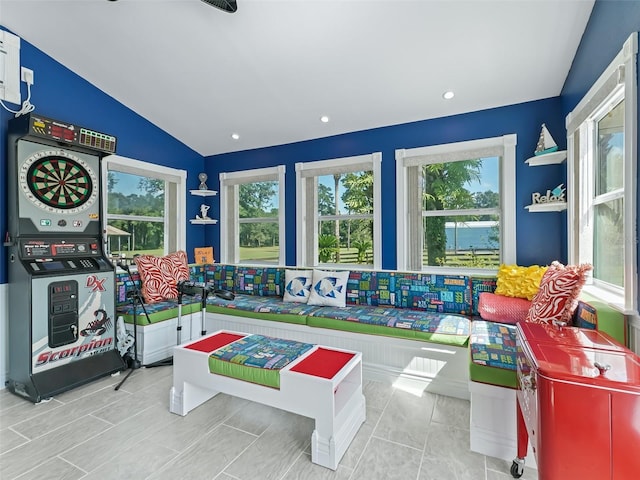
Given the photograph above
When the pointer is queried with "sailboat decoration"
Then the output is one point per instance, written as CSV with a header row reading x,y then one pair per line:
x,y
546,144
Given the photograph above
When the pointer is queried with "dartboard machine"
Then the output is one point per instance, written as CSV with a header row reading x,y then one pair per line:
x,y
61,283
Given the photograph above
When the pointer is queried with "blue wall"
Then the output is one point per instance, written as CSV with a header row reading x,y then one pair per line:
x,y
61,94
609,26
541,237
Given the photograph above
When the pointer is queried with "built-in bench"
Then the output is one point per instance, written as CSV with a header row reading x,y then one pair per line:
x,y
421,331
492,374
416,326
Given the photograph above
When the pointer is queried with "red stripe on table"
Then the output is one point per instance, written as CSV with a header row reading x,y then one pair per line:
x,y
323,363
215,342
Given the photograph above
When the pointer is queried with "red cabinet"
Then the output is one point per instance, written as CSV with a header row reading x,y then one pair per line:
x,y
578,404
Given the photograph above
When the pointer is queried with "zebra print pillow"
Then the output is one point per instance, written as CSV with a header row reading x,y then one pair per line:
x,y
160,275
557,296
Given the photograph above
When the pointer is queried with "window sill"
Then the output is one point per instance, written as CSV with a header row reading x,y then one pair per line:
x,y
613,300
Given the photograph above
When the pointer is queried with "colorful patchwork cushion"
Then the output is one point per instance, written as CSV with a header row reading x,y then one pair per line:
x,y
256,358
499,308
267,281
297,285
585,316
160,275
558,295
125,284
480,285
520,282
329,288
371,288
433,293
493,344
262,352
223,277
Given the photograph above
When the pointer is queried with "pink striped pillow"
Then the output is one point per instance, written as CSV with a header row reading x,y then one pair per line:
x,y
160,275
557,297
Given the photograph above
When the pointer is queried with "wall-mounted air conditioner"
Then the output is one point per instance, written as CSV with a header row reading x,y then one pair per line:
x,y
9,67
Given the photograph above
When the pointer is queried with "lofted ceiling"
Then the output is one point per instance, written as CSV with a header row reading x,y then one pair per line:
x,y
269,71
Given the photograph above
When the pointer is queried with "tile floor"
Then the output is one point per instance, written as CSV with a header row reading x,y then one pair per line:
x,y
94,432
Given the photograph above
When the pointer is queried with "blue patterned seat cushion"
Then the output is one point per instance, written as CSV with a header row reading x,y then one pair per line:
x,y
438,327
267,308
159,311
493,344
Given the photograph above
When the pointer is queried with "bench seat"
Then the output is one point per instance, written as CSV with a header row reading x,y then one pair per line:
x,y
265,308
447,329
158,312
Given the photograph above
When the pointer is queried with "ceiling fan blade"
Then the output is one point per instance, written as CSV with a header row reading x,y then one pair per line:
x,y
226,5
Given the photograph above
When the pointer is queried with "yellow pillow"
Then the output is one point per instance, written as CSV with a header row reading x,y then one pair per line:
x,y
521,282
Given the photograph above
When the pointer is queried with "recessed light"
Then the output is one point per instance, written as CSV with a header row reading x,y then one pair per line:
x,y
235,136
324,119
448,95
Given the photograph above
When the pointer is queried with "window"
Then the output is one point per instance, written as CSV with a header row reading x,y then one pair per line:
x,y
252,216
338,212
145,207
601,179
455,205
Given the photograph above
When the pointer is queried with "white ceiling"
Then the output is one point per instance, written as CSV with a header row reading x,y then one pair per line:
x,y
270,71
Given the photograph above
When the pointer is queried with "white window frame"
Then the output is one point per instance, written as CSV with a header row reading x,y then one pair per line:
x,y
229,212
174,197
307,174
619,80
503,147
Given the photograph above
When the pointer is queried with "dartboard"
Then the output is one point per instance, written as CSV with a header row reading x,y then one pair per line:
x,y
59,182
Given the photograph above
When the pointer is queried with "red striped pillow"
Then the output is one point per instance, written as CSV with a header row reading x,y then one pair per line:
x,y
160,275
557,297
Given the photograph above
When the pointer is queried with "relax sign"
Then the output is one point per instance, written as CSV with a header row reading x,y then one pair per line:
x,y
555,195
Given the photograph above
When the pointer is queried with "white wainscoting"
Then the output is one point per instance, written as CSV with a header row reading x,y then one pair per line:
x,y
155,342
4,334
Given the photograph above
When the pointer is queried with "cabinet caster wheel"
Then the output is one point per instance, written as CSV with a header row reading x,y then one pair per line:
x,y
517,468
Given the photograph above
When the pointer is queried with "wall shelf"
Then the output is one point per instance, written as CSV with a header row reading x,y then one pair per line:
x,y
200,221
547,159
203,193
203,221
547,207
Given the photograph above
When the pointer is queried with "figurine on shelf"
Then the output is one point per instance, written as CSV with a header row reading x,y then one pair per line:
x,y
203,212
546,143
203,178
